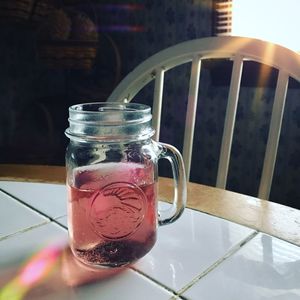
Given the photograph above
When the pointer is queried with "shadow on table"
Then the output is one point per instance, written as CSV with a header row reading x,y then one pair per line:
x,y
51,271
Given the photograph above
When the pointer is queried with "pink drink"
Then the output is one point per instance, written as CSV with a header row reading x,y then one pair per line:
x,y
112,213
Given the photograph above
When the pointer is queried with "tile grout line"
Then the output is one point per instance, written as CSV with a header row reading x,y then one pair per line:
x,y
55,220
178,297
24,230
155,281
62,216
231,251
26,204
32,208
59,224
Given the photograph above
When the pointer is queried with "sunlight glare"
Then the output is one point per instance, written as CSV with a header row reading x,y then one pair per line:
x,y
276,21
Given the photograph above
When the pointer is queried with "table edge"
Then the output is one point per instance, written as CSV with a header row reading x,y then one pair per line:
x,y
265,216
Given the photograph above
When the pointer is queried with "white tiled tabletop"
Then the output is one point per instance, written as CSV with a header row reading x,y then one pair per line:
x,y
52,204
15,217
265,268
197,257
23,244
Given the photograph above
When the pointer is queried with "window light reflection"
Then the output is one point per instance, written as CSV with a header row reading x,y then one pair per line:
x,y
271,20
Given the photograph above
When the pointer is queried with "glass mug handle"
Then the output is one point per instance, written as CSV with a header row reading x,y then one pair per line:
x,y
180,190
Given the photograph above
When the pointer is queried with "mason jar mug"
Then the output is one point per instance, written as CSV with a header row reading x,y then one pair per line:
x,y
112,180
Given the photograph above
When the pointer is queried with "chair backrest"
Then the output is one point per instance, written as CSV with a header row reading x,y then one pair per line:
x,y
238,49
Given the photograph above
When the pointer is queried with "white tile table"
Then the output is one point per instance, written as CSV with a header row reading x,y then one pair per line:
x,y
52,204
15,217
198,257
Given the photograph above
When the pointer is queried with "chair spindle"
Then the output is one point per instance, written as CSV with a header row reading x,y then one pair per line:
x,y
157,101
232,102
191,114
274,134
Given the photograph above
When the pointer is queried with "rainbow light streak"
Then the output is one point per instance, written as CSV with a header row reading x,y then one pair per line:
x,y
39,266
35,270
115,7
122,28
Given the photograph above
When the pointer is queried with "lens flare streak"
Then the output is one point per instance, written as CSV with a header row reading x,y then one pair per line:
x,y
128,7
122,28
34,271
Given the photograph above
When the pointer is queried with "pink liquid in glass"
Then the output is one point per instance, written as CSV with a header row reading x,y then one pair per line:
x,y
112,213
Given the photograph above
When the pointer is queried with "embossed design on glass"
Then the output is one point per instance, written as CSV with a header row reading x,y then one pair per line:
x,y
117,210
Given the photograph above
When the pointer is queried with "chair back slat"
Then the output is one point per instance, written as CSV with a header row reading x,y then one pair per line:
x,y
157,101
274,134
211,48
233,96
191,114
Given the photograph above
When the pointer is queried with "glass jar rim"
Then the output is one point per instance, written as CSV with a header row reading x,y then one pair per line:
x,y
109,121
107,106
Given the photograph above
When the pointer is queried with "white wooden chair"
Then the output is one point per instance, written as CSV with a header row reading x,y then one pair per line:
x,y
237,49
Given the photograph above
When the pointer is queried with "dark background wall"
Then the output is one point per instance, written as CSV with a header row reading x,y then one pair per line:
x,y
34,97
